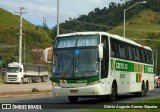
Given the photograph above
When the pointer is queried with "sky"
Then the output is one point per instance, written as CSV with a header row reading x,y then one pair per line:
x,y
37,9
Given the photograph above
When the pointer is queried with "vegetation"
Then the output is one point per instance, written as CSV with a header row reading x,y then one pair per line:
x,y
33,36
142,22
107,18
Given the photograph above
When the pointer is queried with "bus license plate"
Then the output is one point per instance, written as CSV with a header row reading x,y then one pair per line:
x,y
73,91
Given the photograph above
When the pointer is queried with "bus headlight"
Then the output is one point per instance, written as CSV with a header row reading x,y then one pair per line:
x,y
93,83
55,84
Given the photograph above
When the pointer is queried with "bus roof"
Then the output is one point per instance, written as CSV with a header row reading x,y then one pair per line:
x,y
105,33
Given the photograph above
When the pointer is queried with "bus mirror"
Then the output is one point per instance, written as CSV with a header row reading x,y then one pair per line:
x,y
100,50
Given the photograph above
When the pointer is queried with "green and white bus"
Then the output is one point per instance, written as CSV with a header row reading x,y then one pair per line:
x,y
93,64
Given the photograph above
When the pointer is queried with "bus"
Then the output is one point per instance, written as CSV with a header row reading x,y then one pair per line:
x,y
100,64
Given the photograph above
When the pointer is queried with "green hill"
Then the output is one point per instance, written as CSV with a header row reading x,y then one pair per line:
x,y
141,26
106,19
142,22
34,36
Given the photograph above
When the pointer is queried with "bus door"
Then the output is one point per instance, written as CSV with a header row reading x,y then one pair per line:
x,y
105,62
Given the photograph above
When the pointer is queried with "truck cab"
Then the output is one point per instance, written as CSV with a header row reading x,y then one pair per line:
x,y
14,73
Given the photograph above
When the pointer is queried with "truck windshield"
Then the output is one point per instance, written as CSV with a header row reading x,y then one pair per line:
x,y
76,63
12,69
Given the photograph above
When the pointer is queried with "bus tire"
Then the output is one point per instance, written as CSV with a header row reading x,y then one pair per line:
x,y
73,99
147,87
113,94
143,90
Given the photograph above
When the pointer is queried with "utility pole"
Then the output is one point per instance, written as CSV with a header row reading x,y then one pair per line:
x,y
124,20
44,22
24,53
57,17
155,51
20,34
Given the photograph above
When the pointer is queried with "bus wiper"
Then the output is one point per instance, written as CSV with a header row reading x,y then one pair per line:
x,y
80,71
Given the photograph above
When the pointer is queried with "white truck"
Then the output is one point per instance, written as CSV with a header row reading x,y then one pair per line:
x,y
20,73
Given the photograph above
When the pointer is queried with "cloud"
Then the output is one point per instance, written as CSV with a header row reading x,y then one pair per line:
x,y
37,9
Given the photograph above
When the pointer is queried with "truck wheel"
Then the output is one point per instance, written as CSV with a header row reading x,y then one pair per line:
x,y
38,79
29,80
44,79
22,81
73,99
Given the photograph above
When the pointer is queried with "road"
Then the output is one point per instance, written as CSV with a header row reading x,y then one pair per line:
x,y
25,87
60,104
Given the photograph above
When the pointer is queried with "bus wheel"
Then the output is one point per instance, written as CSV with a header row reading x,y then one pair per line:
x,y
143,90
113,94
73,99
157,86
147,87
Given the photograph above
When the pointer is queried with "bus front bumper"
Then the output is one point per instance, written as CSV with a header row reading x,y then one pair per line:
x,y
90,90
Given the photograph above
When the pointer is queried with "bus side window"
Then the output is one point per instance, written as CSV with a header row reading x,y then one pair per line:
x,y
145,56
151,58
133,54
130,55
138,55
122,50
142,55
114,51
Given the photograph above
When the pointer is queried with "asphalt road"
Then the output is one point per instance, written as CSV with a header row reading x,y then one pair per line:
x,y
62,104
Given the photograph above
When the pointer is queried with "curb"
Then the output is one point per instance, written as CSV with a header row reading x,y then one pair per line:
x,y
24,93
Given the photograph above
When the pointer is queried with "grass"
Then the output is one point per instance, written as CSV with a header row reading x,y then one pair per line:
x,y
140,26
150,101
122,110
1,81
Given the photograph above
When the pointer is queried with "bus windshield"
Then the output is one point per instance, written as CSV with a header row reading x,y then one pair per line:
x,y
77,63
77,41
